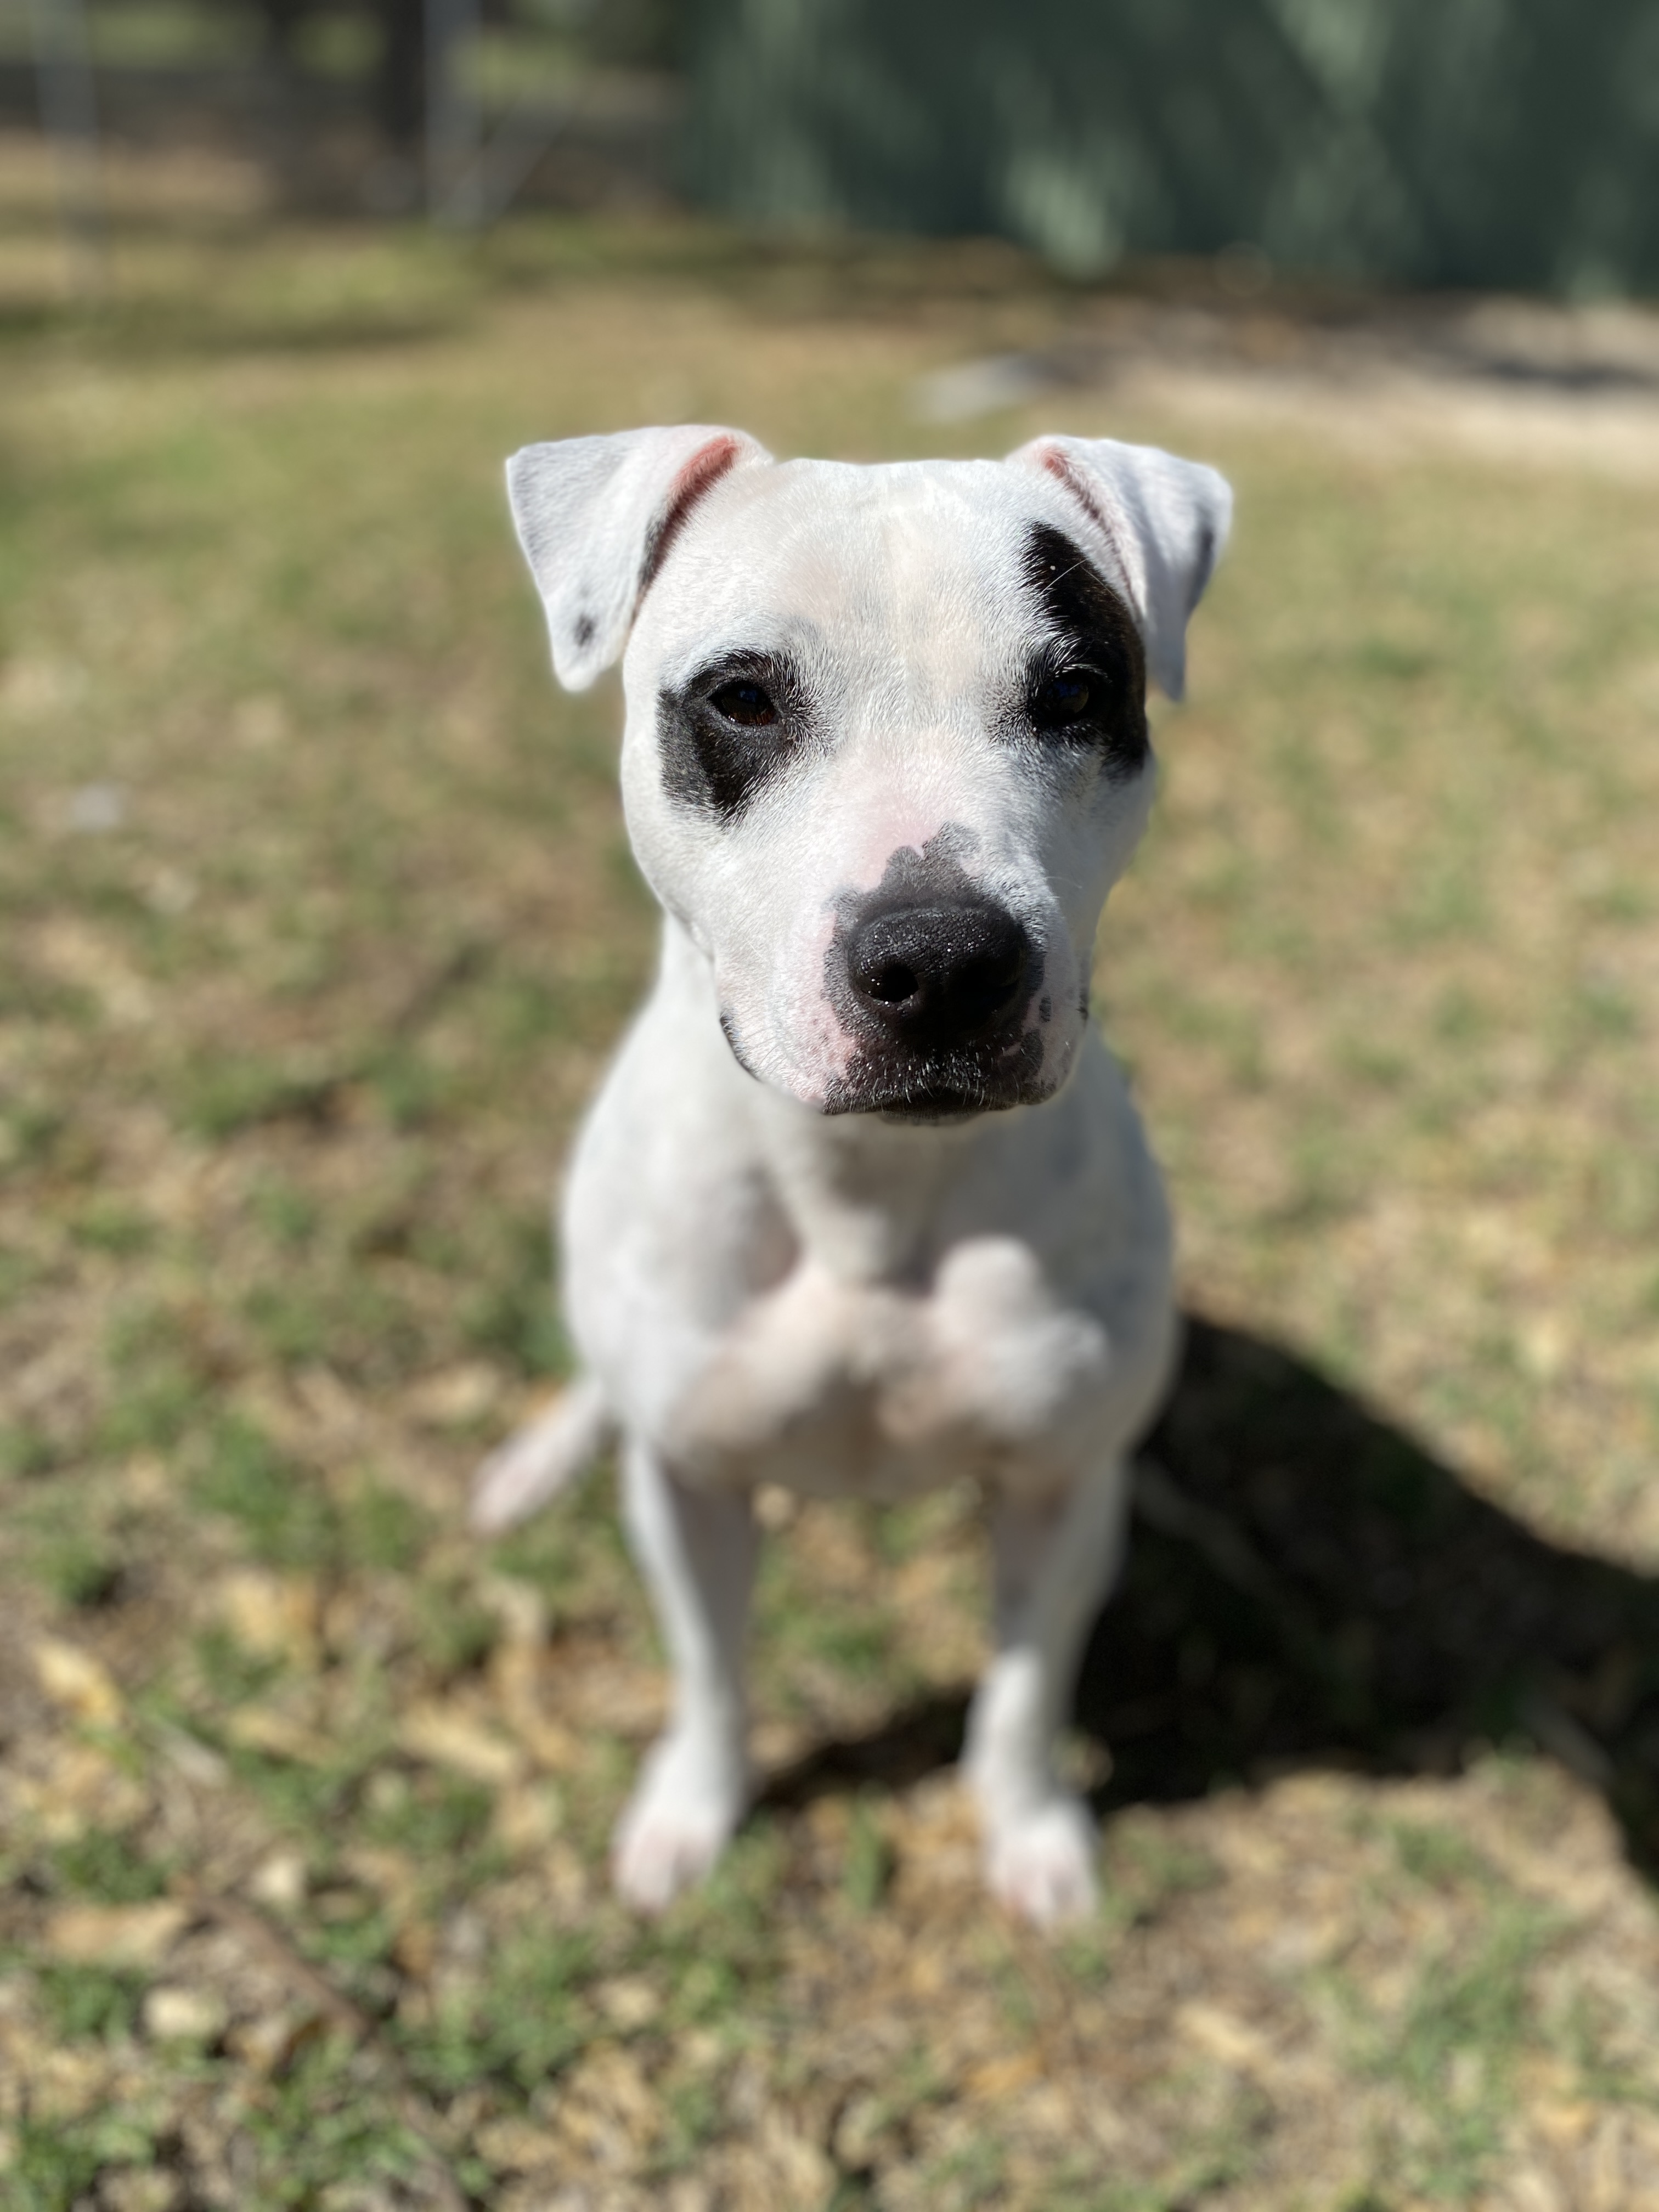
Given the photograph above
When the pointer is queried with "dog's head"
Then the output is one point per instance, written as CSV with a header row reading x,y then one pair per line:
x,y
886,747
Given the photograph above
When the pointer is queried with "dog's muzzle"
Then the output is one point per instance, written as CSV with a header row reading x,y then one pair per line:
x,y
934,996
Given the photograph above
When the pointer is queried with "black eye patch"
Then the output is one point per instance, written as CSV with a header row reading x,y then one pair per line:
x,y
1086,684
732,729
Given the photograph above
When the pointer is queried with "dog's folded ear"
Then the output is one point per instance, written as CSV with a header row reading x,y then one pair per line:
x,y
1162,524
595,517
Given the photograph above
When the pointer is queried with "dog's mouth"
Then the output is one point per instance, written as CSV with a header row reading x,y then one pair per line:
x,y
951,1086
990,1076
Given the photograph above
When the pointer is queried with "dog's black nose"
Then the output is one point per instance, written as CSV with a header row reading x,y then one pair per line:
x,y
935,976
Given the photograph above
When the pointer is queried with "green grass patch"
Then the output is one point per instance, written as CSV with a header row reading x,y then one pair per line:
x,y
56,2164
524,2020
1452,2051
288,1516
438,1820
868,1869
25,1452
104,1864
89,2004
317,2131
106,1225
283,1513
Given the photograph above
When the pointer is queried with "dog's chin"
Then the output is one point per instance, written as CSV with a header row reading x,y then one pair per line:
x,y
930,1105
943,1112
933,1089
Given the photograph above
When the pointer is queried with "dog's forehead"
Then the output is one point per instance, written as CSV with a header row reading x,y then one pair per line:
x,y
845,510
923,547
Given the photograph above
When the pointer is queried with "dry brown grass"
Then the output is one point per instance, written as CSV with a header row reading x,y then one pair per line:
x,y
304,1798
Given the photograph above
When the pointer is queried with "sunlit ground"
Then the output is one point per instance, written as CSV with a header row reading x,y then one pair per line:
x,y
319,922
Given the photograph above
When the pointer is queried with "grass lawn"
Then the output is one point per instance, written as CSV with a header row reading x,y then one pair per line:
x,y
318,924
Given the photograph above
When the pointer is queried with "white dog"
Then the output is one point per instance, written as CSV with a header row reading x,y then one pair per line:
x,y
863,1205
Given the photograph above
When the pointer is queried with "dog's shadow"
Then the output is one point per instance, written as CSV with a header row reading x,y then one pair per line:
x,y
1307,1586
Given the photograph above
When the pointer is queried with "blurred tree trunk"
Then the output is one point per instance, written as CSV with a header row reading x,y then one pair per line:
x,y
282,19
398,92
400,76
284,84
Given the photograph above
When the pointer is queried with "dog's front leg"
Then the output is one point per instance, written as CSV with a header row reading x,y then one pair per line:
x,y
697,1550
1054,1563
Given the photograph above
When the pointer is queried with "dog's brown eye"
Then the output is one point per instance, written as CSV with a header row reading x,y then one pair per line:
x,y
744,703
1064,699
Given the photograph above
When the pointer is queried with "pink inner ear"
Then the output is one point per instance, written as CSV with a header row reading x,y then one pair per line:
x,y
705,469
1059,466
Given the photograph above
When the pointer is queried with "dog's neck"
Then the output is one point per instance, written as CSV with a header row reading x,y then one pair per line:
x,y
862,1192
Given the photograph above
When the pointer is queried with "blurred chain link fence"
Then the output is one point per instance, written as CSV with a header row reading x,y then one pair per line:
x,y
1478,142
1511,143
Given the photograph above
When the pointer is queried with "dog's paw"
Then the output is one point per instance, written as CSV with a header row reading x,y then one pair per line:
x,y
1042,1865
679,1819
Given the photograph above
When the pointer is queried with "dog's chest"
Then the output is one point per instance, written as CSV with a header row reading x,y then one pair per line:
x,y
832,1386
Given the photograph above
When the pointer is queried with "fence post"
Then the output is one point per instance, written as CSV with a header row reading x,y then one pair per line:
x,y
451,112
68,117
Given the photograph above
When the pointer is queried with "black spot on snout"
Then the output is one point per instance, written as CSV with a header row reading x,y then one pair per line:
x,y
1084,685
584,629
734,728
